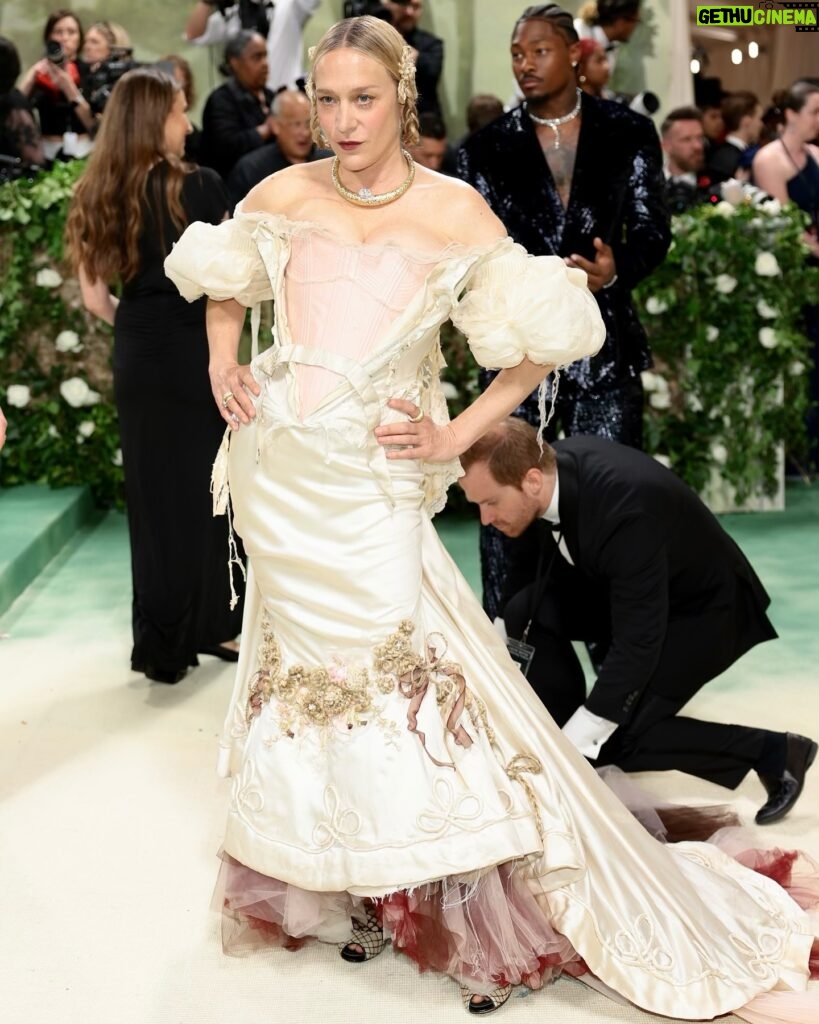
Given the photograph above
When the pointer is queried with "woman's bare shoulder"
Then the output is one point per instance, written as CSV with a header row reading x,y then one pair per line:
x,y
462,212
283,191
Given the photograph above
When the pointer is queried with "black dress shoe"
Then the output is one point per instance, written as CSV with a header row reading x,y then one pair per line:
x,y
784,790
161,675
220,651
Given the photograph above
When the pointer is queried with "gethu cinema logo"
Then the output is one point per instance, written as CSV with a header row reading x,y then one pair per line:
x,y
799,15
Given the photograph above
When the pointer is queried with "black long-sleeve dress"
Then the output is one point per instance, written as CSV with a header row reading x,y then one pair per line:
x,y
171,431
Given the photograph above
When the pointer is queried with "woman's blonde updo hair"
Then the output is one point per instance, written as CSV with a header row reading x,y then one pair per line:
x,y
377,39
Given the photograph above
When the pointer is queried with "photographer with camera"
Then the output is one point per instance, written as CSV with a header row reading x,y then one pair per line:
x,y
21,148
214,22
54,86
107,55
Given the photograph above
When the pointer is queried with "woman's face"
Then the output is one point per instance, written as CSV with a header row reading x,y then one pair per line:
x,y
250,67
806,121
66,32
596,69
358,107
177,126
96,47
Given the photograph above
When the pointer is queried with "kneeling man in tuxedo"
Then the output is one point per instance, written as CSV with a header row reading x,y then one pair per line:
x,y
615,550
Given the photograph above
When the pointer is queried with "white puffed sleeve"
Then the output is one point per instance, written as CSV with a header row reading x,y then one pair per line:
x,y
221,261
520,305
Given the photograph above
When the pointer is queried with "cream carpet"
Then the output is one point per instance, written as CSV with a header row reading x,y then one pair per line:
x,y
111,817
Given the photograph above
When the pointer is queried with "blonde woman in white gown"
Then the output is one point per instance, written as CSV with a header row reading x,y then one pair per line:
x,y
393,772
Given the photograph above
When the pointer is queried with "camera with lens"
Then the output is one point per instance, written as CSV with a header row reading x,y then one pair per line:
x,y
102,80
54,53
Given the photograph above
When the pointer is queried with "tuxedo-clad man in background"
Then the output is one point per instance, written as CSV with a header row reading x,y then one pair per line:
x,y
742,117
683,141
428,51
615,548
578,177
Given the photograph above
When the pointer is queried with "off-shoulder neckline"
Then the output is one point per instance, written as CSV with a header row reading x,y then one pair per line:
x,y
294,227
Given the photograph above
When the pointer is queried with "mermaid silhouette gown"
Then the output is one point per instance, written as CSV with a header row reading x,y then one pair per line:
x,y
382,743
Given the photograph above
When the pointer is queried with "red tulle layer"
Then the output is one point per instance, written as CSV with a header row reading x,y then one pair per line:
x,y
483,930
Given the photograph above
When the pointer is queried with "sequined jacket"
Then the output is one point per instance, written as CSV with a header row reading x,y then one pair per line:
x,y
617,193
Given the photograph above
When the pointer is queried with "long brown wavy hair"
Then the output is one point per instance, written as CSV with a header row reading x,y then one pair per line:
x,y
106,216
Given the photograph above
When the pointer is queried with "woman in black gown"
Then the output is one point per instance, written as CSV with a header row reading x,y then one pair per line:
x,y
129,208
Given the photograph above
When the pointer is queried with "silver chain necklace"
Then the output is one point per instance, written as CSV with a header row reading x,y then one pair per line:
x,y
555,122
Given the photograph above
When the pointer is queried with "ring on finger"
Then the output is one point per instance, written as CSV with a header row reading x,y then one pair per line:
x,y
418,416
226,397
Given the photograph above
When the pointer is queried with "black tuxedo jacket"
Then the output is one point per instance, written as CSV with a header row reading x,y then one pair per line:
x,y
428,67
640,535
724,161
617,194
229,122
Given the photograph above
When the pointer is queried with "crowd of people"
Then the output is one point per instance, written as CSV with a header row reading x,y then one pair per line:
x,y
369,678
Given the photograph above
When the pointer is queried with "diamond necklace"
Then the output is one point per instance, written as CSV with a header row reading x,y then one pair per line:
x,y
555,122
365,196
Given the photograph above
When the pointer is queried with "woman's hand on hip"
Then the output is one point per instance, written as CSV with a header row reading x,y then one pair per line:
x,y
417,437
232,386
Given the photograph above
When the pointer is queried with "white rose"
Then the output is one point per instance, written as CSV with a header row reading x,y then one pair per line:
x,y
711,333
449,390
765,311
766,265
767,337
772,207
67,341
725,284
796,368
649,380
693,402
116,458
732,193
87,428
663,460
18,395
77,393
719,453
52,431
724,209
660,400
655,306
48,278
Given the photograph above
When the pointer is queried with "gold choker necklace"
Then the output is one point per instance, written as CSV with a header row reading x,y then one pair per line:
x,y
365,197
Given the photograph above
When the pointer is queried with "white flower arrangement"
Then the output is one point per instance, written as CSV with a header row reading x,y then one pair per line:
x,y
116,458
711,332
18,395
67,341
77,393
655,306
86,428
765,311
768,337
48,278
660,400
719,453
724,209
725,284
766,265
797,368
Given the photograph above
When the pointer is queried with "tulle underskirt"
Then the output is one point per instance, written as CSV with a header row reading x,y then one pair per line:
x,y
483,930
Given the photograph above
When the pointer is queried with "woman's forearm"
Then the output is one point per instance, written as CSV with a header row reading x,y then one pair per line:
x,y
224,325
501,398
